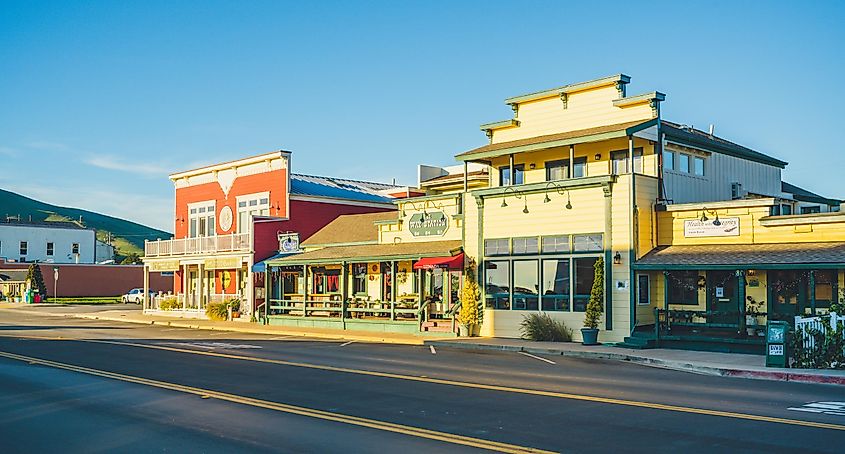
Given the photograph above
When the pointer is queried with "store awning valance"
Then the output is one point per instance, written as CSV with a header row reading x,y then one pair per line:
x,y
745,256
454,262
371,253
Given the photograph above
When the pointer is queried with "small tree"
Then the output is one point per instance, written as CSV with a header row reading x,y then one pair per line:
x,y
471,310
595,307
36,279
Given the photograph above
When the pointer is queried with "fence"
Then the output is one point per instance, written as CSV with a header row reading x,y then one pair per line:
x,y
804,326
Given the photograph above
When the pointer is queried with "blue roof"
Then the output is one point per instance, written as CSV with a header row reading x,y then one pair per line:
x,y
339,188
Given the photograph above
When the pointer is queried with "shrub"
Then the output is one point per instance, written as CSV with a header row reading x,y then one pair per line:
x,y
170,304
595,307
827,352
235,303
217,311
471,310
541,327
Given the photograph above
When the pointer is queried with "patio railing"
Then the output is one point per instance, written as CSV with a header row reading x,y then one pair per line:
x,y
235,242
349,309
805,326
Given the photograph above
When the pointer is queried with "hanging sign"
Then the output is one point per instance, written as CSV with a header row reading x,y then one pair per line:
x,y
432,223
696,228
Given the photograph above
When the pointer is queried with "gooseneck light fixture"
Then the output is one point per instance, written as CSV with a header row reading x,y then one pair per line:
x,y
425,205
704,217
560,190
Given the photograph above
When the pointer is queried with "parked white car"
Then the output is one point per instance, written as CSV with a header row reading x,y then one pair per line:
x,y
136,295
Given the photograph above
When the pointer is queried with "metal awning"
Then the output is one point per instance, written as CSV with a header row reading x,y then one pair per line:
x,y
745,256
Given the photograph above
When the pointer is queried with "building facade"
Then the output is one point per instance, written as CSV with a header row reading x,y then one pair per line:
x,y
49,242
229,216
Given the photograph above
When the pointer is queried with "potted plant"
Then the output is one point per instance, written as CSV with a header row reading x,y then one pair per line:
x,y
235,305
752,313
595,306
470,312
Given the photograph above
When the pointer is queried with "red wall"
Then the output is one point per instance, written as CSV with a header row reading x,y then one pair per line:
x,y
275,182
98,280
309,217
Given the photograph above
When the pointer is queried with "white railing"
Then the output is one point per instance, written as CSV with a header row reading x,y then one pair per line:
x,y
820,323
191,301
235,242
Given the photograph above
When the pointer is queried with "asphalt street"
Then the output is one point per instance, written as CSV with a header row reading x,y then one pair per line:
x,y
203,391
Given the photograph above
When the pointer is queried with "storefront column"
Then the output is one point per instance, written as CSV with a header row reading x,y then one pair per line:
x,y
666,292
184,287
421,288
200,287
344,290
304,290
146,286
393,289
266,293
512,180
812,292
740,290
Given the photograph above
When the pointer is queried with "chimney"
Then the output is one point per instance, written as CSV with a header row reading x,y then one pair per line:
x,y
712,128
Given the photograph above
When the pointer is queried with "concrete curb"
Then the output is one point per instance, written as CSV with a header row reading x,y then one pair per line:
x,y
774,374
248,329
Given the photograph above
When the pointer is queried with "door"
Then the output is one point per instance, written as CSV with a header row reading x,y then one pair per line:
x,y
787,294
191,296
723,297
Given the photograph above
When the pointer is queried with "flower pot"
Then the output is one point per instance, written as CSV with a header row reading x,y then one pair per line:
x,y
589,336
468,331
236,314
751,331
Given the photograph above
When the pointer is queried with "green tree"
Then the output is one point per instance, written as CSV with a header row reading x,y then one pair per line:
x,y
595,306
131,259
36,279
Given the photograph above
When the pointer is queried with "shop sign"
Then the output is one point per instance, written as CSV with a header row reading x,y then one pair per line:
x,y
696,228
219,263
432,223
288,242
163,266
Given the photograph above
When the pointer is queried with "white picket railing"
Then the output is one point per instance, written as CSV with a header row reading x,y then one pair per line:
x,y
235,242
804,324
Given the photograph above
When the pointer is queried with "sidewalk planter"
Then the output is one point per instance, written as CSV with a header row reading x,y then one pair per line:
x,y
589,336
468,331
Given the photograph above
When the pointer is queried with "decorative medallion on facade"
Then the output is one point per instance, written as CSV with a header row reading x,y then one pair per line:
x,y
226,218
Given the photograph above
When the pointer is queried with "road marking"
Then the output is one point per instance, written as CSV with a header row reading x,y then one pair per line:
x,y
214,345
441,381
286,408
537,357
433,351
826,407
346,343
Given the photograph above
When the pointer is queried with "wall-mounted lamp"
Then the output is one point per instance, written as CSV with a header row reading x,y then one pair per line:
x,y
597,156
617,259
532,165
517,195
559,190
704,217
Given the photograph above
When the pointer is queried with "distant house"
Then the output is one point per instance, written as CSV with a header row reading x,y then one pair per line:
x,y
50,242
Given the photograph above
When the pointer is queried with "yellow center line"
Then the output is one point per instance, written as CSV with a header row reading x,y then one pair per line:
x,y
286,408
440,381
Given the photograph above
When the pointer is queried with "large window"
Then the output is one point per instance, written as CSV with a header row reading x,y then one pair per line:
x,y
556,285
525,285
557,170
619,161
683,287
497,284
359,278
250,206
505,175
824,284
584,274
201,219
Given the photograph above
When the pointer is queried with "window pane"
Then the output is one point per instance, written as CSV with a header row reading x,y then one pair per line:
x,y
579,170
528,245
556,285
525,285
264,201
619,162
699,166
584,273
504,176
683,162
518,173
557,170
638,160
588,243
668,160
552,244
824,287
786,210
497,284
496,247
683,287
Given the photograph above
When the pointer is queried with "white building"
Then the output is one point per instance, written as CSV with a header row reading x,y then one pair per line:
x,y
50,242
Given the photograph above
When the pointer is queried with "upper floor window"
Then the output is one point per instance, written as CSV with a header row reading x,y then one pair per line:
x,y
24,247
619,161
505,175
558,243
201,219
557,170
50,248
668,160
698,166
579,168
683,162
252,205
811,209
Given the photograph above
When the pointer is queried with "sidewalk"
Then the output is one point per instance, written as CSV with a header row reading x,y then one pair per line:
x,y
708,363
136,316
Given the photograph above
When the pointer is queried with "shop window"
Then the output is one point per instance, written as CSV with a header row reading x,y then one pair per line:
x,y
683,162
325,282
588,243
811,209
584,274
698,166
497,284
683,287
619,161
643,290
50,249
359,278
386,282
824,280
525,285
527,245
555,244
668,160
556,285
505,175
496,247
24,247
557,170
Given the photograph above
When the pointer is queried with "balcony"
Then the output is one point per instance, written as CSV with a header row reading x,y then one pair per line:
x,y
236,242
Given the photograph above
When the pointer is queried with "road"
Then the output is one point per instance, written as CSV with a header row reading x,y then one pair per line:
x,y
75,385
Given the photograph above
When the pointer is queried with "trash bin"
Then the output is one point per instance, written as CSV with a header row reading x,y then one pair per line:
x,y
777,345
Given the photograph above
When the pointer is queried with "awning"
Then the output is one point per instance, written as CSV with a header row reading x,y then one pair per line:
x,y
745,256
262,265
371,253
454,262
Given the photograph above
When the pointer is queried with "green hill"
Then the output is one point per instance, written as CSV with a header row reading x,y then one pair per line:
x,y
127,236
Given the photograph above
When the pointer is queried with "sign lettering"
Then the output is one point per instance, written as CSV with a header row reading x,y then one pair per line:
x,y
696,228
434,223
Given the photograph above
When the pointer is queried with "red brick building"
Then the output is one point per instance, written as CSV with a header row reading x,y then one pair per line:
x,y
229,216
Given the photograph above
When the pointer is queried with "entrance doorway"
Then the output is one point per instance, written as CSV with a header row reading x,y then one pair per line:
x,y
723,296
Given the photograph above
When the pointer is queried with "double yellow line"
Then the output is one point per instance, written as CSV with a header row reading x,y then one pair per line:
x,y
285,408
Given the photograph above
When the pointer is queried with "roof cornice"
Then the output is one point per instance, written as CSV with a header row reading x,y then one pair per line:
x,y
571,88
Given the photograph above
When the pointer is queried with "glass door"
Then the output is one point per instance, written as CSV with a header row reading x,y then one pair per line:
x,y
787,294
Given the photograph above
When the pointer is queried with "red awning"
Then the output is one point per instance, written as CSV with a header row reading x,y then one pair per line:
x,y
454,262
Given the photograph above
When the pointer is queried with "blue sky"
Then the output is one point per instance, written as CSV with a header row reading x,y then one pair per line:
x,y
99,101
